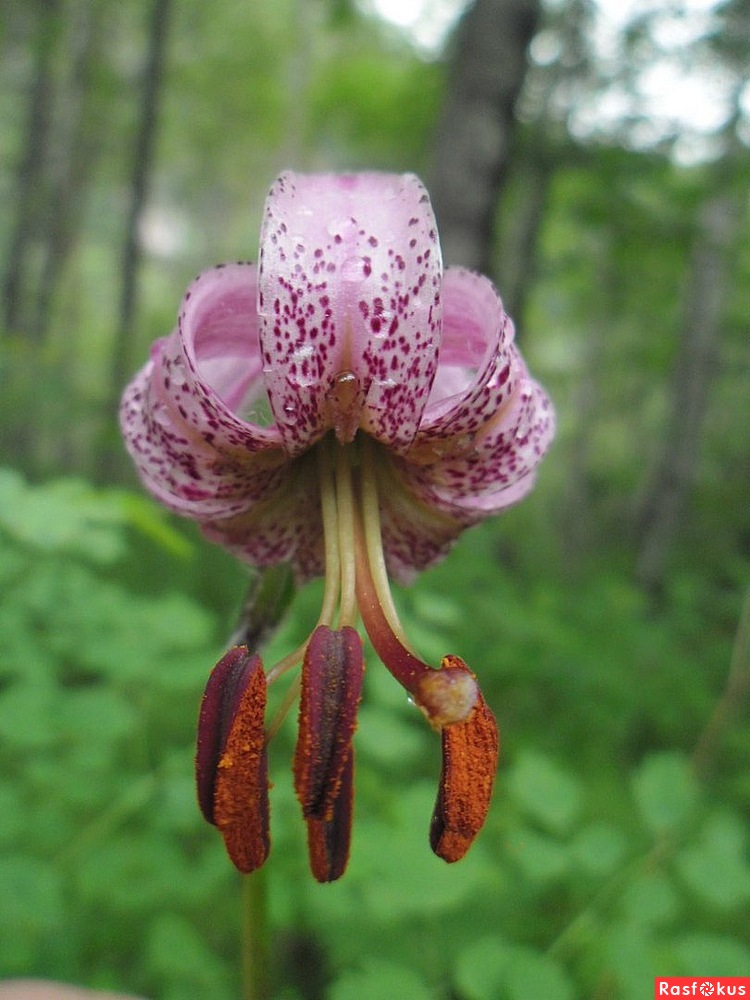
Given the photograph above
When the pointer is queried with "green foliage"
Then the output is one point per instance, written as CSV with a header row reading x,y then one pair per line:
x,y
604,861
98,689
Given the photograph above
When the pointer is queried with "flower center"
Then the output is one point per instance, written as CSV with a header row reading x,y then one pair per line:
x,y
356,578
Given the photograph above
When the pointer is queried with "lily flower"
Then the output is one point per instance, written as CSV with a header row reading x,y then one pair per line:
x,y
349,408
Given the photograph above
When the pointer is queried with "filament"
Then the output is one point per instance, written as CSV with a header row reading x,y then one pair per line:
x,y
374,542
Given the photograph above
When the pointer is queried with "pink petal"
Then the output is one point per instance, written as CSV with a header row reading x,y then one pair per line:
x,y
479,364
285,527
498,469
414,534
180,417
487,424
349,283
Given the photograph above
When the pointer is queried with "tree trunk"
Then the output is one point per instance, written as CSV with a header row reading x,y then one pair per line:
x,y
473,138
131,255
663,511
74,160
30,201
519,232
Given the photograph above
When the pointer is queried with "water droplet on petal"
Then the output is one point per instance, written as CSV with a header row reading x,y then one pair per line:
x,y
160,415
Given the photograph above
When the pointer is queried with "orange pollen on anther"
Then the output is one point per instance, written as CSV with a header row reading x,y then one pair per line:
x,y
470,754
232,765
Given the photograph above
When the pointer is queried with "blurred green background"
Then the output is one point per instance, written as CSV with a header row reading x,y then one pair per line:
x,y
604,615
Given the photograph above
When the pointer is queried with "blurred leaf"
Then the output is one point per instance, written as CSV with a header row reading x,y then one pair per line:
x,y
32,910
546,791
716,867
492,967
480,969
530,974
177,956
396,869
711,955
665,792
70,515
12,820
150,520
96,715
598,848
650,900
387,737
378,979
132,873
28,716
629,959
541,858
65,515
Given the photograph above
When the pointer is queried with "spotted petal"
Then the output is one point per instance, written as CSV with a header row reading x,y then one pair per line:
x,y
350,273
487,424
479,364
180,415
500,467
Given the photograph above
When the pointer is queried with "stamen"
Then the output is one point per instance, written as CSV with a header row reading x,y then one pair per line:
x,y
345,510
329,512
445,696
332,675
470,753
448,695
328,840
374,539
231,760
329,503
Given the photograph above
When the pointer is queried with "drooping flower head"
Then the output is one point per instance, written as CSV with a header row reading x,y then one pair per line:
x,y
347,407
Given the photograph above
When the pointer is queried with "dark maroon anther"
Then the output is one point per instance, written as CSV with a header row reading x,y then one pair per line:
x,y
231,760
332,675
328,840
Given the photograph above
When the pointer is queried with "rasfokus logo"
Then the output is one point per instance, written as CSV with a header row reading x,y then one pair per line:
x,y
687,986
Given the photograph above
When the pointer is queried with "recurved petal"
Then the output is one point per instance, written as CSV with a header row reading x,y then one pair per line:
x,y
499,467
479,364
350,274
470,755
181,414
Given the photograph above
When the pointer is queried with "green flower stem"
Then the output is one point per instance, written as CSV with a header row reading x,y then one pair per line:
x,y
256,976
269,595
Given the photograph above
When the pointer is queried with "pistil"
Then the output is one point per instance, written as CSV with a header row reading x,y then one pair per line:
x,y
447,695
